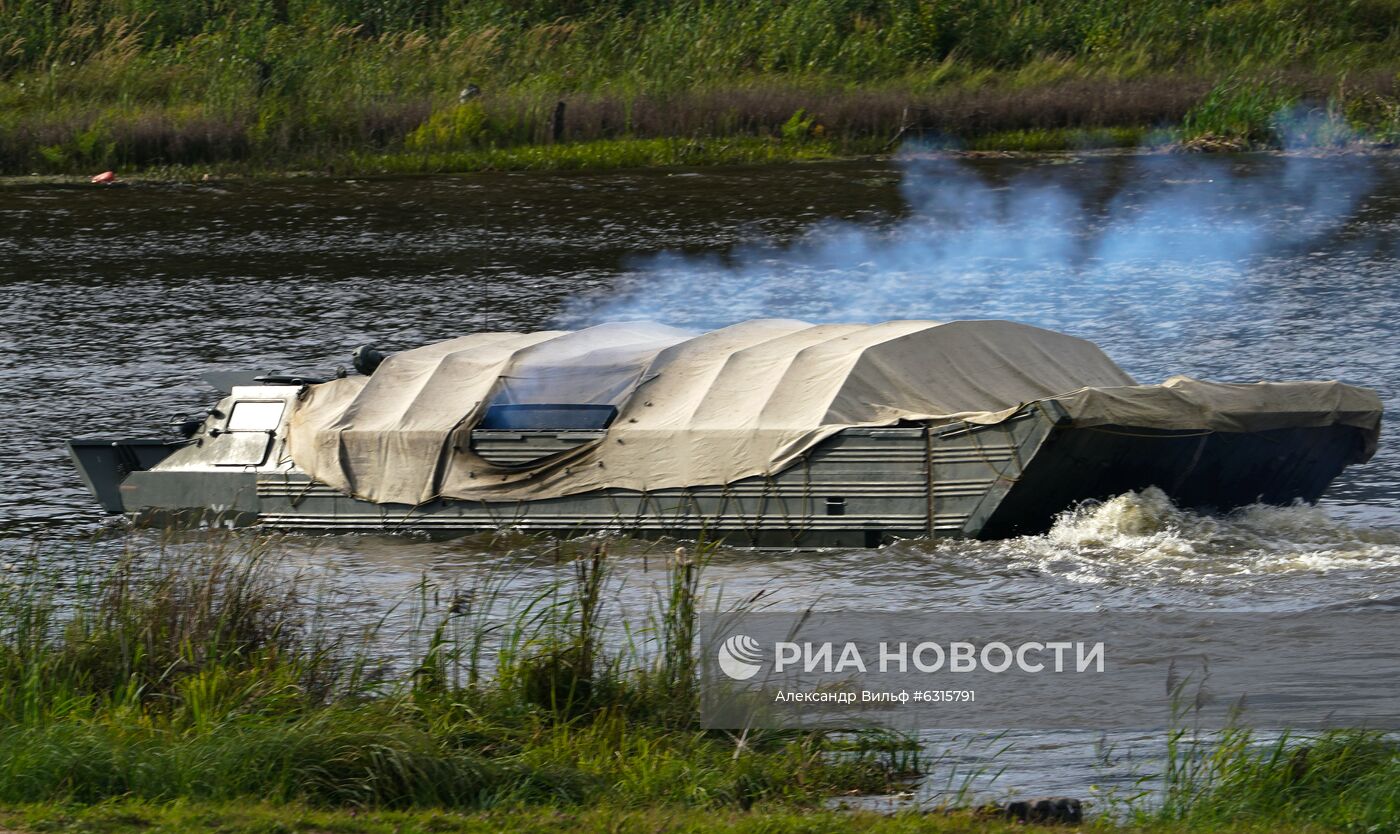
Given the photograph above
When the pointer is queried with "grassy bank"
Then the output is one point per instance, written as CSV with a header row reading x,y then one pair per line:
x,y
212,687
216,676
129,817
451,85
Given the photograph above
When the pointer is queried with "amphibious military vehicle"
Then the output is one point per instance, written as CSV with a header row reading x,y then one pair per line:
x,y
770,433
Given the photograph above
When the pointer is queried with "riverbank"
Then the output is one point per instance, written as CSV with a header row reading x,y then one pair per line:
x,y
219,673
1226,119
450,86
627,154
605,154
213,685
253,817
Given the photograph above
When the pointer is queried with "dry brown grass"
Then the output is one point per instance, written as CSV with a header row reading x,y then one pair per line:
x,y
762,110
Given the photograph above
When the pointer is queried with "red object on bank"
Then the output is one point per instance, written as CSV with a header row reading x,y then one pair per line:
x,y
105,177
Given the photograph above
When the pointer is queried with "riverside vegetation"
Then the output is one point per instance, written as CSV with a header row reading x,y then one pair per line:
x,y
216,674
213,687
445,85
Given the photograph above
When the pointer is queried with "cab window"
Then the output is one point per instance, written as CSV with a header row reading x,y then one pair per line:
x,y
250,415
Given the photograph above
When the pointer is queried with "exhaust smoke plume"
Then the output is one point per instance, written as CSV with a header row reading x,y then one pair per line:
x,y
1154,243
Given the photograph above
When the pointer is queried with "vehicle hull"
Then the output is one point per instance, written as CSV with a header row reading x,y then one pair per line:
x,y
862,487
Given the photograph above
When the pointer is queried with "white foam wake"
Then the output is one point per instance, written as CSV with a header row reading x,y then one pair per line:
x,y
1143,536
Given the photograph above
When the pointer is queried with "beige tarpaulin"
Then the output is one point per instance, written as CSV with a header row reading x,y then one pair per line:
x,y
1185,403
749,399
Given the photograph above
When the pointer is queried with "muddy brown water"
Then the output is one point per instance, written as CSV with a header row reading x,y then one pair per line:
x,y
115,300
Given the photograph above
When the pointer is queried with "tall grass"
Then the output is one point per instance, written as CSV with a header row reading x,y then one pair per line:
x,y
674,43
1335,781
216,673
287,83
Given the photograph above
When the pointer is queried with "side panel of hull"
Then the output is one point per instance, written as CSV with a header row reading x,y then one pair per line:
x,y
223,498
861,488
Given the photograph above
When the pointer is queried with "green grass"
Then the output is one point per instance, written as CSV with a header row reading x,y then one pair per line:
x,y
1334,781
211,674
1046,140
208,685
128,816
278,85
607,153
590,155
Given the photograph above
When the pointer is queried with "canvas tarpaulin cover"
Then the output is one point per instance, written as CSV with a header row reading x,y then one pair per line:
x,y
749,399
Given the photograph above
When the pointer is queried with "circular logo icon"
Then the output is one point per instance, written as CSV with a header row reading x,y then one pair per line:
x,y
739,657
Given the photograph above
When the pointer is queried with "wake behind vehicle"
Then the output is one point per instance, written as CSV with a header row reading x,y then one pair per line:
x,y
769,433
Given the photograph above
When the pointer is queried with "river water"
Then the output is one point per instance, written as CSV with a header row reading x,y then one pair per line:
x,y
115,300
